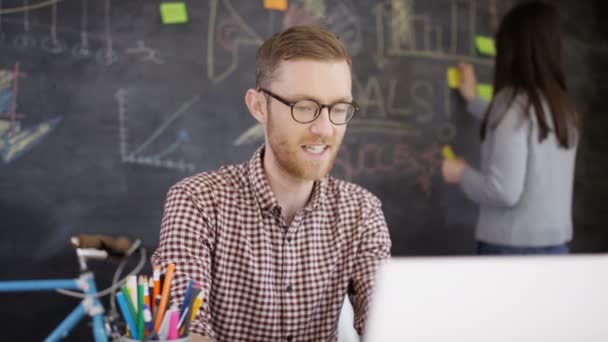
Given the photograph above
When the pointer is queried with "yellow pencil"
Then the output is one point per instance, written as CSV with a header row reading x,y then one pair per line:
x,y
196,306
447,152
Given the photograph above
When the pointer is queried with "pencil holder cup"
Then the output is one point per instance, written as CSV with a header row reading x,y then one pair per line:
x,y
181,339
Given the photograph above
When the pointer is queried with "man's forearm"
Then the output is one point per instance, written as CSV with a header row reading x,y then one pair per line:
x,y
199,338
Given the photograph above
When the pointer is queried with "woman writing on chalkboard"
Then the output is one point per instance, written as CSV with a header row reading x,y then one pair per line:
x,y
530,132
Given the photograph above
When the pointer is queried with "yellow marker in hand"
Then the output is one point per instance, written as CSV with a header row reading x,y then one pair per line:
x,y
447,152
453,77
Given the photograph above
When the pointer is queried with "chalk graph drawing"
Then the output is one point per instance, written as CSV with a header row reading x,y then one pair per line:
x,y
144,153
405,28
16,140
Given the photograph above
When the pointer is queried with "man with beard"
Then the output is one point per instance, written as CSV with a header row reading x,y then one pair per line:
x,y
275,242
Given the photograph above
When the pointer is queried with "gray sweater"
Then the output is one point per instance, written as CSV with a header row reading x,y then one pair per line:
x,y
524,188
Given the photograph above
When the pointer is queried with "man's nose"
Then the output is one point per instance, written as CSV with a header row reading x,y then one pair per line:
x,y
322,126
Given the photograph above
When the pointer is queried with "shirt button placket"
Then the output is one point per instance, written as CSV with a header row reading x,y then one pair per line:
x,y
289,262
289,277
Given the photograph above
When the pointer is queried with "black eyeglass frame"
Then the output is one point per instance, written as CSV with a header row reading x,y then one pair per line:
x,y
319,107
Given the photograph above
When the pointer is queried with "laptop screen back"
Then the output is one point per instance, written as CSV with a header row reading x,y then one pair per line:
x,y
482,299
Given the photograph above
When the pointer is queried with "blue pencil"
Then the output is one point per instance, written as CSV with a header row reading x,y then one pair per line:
x,y
186,298
122,304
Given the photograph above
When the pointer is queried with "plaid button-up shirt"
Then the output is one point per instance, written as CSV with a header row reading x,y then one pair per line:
x,y
266,280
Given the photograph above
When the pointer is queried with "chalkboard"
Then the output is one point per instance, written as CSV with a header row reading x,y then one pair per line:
x,y
103,107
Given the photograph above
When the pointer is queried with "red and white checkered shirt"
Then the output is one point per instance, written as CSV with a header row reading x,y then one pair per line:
x,y
266,280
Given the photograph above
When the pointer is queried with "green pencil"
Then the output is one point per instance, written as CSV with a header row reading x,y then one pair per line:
x,y
141,326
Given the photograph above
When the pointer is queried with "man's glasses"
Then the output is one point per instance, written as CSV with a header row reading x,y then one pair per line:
x,y
306,111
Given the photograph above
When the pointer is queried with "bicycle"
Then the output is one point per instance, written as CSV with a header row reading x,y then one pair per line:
x,y
88,247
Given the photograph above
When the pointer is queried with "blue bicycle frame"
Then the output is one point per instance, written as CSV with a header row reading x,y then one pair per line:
x,y
90,305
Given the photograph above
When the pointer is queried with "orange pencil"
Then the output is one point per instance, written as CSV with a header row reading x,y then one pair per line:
x,y
164,296
156,287
146,291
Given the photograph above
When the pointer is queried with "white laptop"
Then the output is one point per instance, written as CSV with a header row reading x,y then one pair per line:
x,y
489,299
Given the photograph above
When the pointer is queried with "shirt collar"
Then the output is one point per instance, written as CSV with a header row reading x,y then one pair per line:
x,y
318,195
263,193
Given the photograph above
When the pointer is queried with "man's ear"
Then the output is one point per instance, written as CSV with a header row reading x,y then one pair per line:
x,y
256,102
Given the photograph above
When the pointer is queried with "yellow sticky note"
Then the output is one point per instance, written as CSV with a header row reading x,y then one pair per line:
x,y
485,91
453,77
485,45
173,13
279,5
447,152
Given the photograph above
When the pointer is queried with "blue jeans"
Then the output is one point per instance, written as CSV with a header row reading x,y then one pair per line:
x,y
484,248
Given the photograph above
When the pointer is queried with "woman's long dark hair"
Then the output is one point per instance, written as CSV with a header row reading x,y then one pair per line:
x,y
528,61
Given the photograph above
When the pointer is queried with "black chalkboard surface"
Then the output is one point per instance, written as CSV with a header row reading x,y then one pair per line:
x,y
103,107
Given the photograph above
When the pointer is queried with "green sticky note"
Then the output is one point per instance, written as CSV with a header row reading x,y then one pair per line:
x,y
485,45
453,77
485,91
173,12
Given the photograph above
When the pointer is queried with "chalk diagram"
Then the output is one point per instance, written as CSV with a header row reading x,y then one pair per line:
x,y
16,140
88,39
